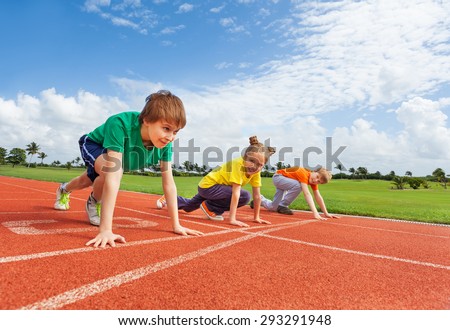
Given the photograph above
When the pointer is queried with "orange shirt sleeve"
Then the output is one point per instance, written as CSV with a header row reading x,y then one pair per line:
x,y
298,173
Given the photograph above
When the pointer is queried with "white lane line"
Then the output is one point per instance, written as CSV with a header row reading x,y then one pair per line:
x,y
335,222
365,254
4,260
385,230
85,291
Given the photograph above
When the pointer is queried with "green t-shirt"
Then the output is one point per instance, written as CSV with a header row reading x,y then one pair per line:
x,y
229,173
122,133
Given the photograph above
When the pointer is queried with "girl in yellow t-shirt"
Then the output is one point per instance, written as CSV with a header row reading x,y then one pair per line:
x,y
220,190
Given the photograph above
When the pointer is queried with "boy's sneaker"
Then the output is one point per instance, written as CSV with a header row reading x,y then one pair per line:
x,y
62,199
160,203
211,215
284,210
93,209
252,204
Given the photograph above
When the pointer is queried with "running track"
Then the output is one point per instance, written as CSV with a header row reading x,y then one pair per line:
x,y
351,263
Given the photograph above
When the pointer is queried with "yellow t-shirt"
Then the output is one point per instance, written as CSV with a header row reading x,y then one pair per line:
x,y
229,173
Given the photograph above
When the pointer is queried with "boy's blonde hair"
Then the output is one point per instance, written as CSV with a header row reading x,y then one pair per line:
x,y
256,146
324,175
163,105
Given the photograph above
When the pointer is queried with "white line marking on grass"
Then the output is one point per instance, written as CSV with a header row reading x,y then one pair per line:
x,y
85,291
366,254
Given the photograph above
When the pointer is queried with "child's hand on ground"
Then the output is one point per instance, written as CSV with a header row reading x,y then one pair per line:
x,y
238,223
318,217
186,231
104,238
259,220
332,216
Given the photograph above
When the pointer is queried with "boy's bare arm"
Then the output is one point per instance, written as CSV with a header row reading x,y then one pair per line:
x,y
319,199
170,193
310,202
109,167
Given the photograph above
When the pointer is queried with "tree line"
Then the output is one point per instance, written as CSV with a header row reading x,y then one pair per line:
x,y
18,156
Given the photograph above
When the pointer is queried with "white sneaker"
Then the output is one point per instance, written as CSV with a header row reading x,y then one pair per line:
x,y
93,209
160,203
62,199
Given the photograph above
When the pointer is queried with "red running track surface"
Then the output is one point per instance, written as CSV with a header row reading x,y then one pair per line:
x,y
350,263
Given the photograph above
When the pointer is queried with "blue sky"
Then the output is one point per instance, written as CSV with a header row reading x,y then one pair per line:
x,y
372,75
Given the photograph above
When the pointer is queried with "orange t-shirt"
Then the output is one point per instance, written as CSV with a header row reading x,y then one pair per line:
x,y
298,173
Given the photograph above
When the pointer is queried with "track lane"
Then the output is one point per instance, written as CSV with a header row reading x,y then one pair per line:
x,y
301,263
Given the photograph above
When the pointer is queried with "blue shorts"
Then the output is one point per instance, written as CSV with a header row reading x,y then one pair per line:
x,y
90,151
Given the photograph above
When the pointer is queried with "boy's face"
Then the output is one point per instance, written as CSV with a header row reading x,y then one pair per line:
x,y
315,178
254,163
160,133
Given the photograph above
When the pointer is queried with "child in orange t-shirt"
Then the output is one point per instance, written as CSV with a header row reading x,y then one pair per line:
x,y
290,182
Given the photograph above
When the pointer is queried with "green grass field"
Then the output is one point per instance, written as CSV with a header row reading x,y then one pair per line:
x,y
356,197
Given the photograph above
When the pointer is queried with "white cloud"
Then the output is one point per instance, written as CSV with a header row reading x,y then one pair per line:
x,y
55,122
227,21
425,125
95,5
421,145
121,21
185,8
217,10
223,65
172,29
129,13
368,147
384,51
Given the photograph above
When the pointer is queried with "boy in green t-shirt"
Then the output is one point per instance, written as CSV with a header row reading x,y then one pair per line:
x,y
127,141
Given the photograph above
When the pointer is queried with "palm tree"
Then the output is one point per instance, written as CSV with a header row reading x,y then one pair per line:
x,y
362,171
77,161
340,167
32,149
399,182
42,155
408,173
439,174
352,171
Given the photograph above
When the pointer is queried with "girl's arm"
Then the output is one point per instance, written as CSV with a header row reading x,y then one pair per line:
x,y
170,192
257,205
236,192
310,201
109,167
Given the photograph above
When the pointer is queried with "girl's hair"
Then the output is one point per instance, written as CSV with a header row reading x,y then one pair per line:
x,y
256,146
324,175
163,105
